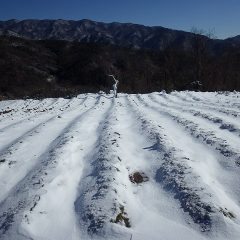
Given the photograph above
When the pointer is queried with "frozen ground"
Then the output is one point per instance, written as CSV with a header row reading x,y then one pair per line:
x,y
67,167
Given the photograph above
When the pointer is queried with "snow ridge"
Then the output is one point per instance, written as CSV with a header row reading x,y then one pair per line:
x,y
132,167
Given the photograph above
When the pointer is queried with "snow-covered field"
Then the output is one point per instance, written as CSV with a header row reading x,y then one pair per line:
x,y
69,167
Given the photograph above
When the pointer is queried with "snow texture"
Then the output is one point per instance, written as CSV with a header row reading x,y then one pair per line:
x,y
154,166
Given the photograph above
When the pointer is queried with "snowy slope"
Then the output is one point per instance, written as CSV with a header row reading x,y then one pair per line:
x,y
67,167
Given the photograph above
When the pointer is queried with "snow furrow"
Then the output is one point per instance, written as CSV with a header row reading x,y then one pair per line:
x,y
229,139
34,113
225,99
227,166
132,167
173,170
23,195
215,187
216,103
28,126
183,101
26,107
147,203
18,154
99,202
208,136
224,122
67,164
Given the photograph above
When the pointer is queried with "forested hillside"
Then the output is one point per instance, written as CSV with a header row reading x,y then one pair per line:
x,y
52,68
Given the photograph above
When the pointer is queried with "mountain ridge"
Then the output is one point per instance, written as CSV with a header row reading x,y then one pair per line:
x,y
110,22
52,58
121,34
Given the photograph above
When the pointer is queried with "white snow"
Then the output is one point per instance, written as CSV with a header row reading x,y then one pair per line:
x,y
65,167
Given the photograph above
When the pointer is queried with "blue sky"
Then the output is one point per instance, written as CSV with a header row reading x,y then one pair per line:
x,y
220,16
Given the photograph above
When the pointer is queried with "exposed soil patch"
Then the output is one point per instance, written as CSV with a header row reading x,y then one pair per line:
x,y
6,111
2,160
11,163
227,213
138,177
122,218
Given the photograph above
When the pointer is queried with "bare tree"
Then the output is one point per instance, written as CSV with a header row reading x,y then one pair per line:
x,y
114,85
200,52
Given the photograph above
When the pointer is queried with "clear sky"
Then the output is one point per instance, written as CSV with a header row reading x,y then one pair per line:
x,y
220,16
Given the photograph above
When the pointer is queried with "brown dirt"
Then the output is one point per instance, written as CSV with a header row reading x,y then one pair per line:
x,y
138,177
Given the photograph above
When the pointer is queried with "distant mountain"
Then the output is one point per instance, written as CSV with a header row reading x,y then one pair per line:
x,y
87,31
46,58
234,40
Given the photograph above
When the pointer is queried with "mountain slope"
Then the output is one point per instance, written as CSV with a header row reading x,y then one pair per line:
x,y
134,167
87,31
51,68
